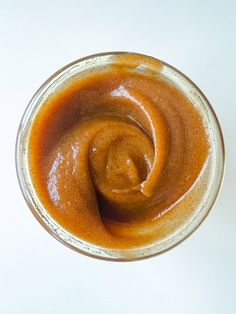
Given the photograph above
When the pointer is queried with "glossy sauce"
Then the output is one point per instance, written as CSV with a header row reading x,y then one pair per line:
x,y
114,154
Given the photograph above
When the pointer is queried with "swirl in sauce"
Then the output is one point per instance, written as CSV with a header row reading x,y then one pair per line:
x,y
114,153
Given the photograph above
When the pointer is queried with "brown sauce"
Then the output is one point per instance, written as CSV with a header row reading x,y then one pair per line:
x,y
113,153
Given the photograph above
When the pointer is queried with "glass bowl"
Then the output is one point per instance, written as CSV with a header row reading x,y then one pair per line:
x,y
197,98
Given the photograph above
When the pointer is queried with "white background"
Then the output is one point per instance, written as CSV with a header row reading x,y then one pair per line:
x,y
38,274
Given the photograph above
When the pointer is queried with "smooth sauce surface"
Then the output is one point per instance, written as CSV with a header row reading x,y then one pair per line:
x,y
112,154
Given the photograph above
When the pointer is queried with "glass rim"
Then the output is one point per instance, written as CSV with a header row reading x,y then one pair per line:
x,y
26,193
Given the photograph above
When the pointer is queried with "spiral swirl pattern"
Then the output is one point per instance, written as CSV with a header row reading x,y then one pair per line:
x,y
114,152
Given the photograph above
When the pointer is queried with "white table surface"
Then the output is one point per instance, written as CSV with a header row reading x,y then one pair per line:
x,y
38,275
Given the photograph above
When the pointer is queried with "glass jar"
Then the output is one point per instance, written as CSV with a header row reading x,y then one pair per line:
x,y
182,83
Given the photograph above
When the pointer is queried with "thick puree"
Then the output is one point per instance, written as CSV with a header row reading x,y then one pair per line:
x,y
114,152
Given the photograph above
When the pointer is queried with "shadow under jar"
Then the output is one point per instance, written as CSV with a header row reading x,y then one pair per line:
x,y
119,156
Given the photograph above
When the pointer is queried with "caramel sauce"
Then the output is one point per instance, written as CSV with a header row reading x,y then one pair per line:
x,y
113,154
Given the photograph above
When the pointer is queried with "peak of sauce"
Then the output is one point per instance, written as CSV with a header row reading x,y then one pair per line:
x,y
113,154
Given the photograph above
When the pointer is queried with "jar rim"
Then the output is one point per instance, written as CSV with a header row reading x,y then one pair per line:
x,y
73,241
